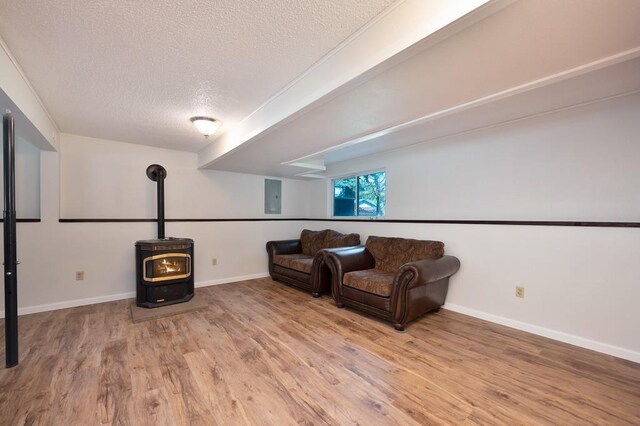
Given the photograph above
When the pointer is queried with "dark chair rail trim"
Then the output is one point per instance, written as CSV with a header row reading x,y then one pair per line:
x,y
263,219
452,222
23,220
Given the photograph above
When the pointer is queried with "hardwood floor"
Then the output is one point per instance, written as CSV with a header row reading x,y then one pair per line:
x,y
264,353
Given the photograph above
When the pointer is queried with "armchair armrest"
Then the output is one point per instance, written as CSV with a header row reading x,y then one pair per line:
x,y
420,287
275,248
426,271
343,260
284,247
347,259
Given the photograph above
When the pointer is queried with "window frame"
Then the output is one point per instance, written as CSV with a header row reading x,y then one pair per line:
x,y
355,175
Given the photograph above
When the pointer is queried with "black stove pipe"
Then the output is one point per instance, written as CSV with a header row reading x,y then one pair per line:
x,y
10,246
158,174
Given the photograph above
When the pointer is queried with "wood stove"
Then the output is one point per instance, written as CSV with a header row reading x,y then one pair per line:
x,y
164,271
164,266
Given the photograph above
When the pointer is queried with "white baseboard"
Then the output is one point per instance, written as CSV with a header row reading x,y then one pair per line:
x,y
110,298
551,334
72,303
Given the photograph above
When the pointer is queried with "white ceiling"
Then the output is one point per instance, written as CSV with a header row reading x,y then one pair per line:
x,y
135,71
315,82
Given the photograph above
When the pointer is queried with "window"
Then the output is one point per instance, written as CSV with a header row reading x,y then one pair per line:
x,y
363,195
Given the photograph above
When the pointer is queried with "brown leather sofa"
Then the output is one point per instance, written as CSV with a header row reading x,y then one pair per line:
x,y
300,262
397,279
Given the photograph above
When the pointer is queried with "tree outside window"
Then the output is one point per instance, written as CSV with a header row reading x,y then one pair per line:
x,y
363,195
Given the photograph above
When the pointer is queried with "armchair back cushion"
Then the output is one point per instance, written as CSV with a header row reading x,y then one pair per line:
x,y
314,241
391,253
336,239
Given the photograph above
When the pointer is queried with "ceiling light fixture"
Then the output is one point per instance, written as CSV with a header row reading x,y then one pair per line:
x,y
206,125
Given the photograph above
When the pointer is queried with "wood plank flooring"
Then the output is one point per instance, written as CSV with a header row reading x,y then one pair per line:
x,y
264,353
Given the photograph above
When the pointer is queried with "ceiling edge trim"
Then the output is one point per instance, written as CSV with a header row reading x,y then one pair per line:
x,y
18,88
326,57
516,120
617,58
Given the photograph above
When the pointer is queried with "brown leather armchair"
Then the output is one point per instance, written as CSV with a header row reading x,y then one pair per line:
x,y
301,263
396,279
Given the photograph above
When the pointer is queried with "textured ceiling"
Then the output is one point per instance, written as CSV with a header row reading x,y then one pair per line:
x,y
136,70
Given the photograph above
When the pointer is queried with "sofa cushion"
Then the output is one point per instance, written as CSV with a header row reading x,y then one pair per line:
x,y
336,239
391,253
372,281
314,241
298,262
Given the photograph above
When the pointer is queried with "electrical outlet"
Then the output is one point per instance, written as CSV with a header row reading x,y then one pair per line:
x,y
79,275
214,261
520,292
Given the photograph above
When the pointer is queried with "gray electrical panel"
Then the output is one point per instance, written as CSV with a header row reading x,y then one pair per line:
x,y
272,196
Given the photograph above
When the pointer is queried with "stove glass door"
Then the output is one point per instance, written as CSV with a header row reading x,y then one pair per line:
x,y
169,266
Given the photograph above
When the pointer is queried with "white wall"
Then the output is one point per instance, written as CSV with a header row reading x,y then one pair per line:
x,y
50,254
106,179
581,284
580,164
27,179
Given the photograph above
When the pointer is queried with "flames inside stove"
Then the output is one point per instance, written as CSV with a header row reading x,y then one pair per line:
x,y
169,266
